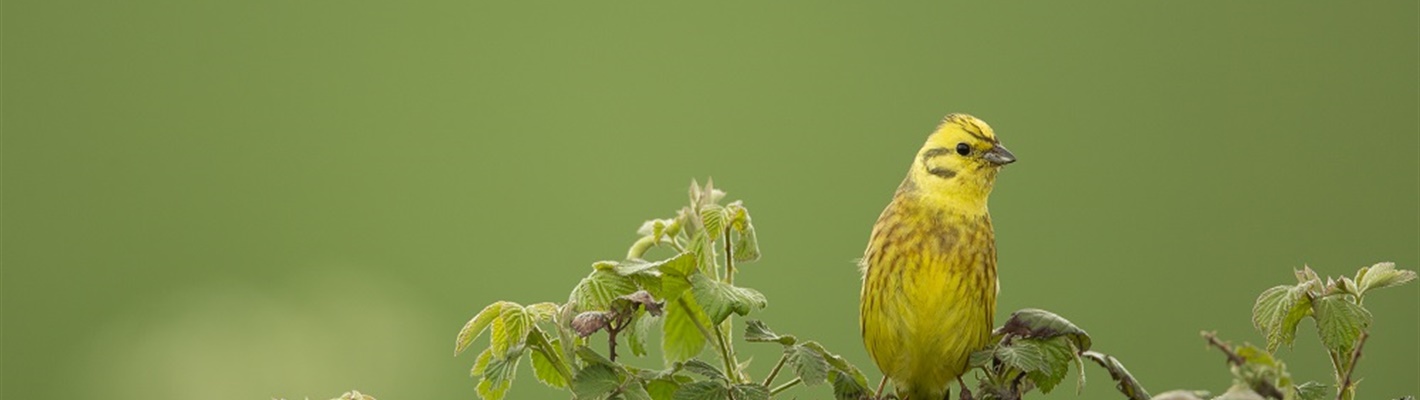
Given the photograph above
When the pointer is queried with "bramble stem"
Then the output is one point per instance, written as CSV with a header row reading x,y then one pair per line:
x,y
774,373
1346,391
785,386
1266,389
725,354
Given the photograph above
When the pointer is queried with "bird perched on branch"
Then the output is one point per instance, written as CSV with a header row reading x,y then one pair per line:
x,y
929,273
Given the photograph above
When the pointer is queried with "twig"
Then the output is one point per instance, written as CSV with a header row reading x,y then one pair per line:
x,y
773,373
1263,387
785,386
1233,358
1355,356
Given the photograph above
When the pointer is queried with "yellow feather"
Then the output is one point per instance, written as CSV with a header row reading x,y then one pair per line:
x,y
929,273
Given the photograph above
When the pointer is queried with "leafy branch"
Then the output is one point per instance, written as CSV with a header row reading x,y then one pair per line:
x,y
690,297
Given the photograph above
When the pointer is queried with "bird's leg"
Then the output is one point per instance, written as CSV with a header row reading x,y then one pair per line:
x,y
881,385
965,394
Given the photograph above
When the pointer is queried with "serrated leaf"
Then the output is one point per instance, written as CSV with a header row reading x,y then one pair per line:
x,y
1057,355
808,363
750,391
757,331
681,339
592,357
674,276
1339,322
703,369
746,245
1277,312
635,390
720,299
510,329
1382,275
842,369
498,376
637,334
1024,355
594,381
702,390
712,217
545,369
481,364
662,389
1312,391
541,311
846,387
478,324
1041,324
980,358
598,289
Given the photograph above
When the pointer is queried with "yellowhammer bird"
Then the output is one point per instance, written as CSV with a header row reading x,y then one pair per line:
x,y
929,274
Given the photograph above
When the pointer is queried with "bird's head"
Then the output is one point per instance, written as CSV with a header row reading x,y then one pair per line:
x,y
957,166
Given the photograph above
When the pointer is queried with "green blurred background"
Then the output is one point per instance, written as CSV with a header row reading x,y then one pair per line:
x,y
237,200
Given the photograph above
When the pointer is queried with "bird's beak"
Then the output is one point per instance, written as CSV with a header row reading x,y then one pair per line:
x,y
999,156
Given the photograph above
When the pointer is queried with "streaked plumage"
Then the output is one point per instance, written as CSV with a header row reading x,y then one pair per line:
x,y
929,273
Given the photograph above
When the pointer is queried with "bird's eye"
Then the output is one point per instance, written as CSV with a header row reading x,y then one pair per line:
x,y
963,149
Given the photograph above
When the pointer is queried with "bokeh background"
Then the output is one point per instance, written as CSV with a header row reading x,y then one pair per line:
x,y
256,199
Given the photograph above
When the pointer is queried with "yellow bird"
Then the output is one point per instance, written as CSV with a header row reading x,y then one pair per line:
x,y
929,273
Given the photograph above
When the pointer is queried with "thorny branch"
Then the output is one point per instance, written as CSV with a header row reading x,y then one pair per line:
x,y
1355,356
1264,388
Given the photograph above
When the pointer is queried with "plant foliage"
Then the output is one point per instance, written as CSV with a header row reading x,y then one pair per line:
x,y
691,300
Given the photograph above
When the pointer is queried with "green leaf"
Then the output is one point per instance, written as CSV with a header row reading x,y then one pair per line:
x,y
510,329
635,390
757,331
546,357
497,376
1312,391
639,329
592,357
1277,312
750,391
662,389
1057,355
809,363
541,312
671,276
1024,355
481,364
847,379
712,216
681,339
598,289
546,371
704,369
981,358
1041,324
703,390
847,387
478,323
719,299
594,381
746,245
1340,322
1382,275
